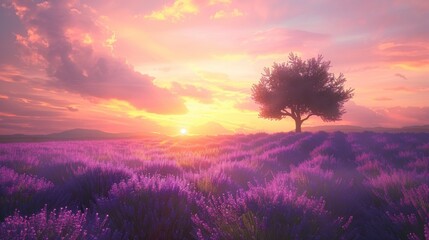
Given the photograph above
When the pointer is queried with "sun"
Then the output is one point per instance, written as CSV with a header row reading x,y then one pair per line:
x,y
183,131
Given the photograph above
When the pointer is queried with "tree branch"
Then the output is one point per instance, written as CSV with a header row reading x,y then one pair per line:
x,y
293,114
309,115
286,113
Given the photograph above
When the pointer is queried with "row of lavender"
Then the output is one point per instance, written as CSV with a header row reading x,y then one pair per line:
x,y
278,186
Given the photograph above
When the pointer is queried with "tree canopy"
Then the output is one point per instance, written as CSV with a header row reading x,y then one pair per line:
x,y
301,89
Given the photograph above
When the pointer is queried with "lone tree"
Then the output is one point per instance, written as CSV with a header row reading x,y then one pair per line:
x,y
301,89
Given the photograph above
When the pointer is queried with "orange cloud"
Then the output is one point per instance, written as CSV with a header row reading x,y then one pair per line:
x,y
407,89
213,2
383,99
175,12
409,55
227,14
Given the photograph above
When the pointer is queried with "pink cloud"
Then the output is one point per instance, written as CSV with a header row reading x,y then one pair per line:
x,y
383,99
282,40
408,115
213,2
356,115
25,107
248,105
410,53
389,117
407,89
187,90
227,14
68,40
12,124
72,109
330,28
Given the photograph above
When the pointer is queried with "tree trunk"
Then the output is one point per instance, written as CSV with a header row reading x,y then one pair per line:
x,y
298,124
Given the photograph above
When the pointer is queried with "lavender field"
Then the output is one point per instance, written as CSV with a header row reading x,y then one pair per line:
x,y
261,186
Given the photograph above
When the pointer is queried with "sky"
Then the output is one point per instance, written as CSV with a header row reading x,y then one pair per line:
x,y
163,66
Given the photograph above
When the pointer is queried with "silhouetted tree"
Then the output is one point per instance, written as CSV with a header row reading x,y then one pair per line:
x,y
301,89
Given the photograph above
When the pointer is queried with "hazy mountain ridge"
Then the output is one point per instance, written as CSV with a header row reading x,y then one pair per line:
x,y
351,128
93,134
73,134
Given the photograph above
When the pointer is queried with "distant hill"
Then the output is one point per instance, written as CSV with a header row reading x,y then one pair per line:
x,y
73,134
81,133
92,134
210,128
349,128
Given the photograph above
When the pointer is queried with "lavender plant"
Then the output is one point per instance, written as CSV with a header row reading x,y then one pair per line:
x,y
150,208
56,224
260,186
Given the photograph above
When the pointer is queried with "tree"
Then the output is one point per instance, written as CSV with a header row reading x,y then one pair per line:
x,y
301,89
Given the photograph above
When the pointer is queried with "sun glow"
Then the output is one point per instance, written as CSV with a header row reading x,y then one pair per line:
x,y
183,131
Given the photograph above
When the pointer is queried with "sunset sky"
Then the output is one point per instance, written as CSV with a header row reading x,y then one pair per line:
x,y
164,66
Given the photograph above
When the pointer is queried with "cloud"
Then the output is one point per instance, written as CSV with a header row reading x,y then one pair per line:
x,y
248,105
24,97
26,115
411,54
75,45
362,116
201,94
401,76
41,125
383,99
406,116
407,89
416,113
222,81
72,109
387,117
175,12
13,74
25,107
281,40
213,2
227,14
70,42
